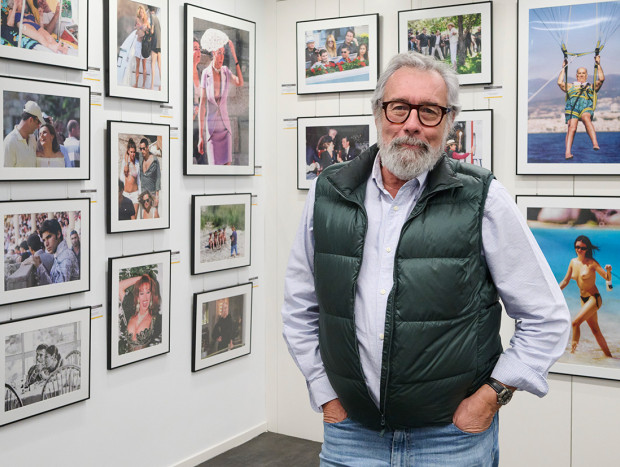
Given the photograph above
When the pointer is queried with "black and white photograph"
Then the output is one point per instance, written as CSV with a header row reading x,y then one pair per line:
x,y
219,91
139,176
338,54
139,315
46,363
471,138
222,325
45,130
46,248
221,232
458,35
46,32
137,49
323,141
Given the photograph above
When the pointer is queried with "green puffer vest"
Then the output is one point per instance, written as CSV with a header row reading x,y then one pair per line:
x,y
441,337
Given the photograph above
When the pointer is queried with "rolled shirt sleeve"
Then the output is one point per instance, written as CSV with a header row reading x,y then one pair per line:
x,y
529,292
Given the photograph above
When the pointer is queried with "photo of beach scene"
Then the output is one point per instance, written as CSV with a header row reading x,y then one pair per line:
x,y
565,227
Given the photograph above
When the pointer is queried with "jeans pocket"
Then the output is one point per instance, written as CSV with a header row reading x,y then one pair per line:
x,y
463,432
341,422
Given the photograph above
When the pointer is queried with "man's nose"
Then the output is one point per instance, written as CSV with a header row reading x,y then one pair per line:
x,y
412,124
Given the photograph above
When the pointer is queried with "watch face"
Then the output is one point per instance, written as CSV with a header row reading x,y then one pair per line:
x,y
504,397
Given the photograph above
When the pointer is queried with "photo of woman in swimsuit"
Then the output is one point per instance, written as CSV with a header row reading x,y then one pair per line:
x,y
583,270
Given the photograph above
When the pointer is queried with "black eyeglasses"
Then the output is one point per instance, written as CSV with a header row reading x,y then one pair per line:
x,y
582,248
428,115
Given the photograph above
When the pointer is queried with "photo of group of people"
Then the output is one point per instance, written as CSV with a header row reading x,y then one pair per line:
x,y
45,134
337,55
221,232
139,307
580,239
44,250
323,141
460,36
46,363
222,322
138,49
45,31
139,186
568,88
220,110
470,139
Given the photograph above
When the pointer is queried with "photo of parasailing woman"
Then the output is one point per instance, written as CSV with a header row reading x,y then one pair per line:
x,y
561,54
580,102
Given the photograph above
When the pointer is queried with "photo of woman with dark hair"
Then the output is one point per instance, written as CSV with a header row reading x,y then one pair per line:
x,y
583,270
139,310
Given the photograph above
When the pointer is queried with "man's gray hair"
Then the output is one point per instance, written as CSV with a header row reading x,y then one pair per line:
x,y
423,63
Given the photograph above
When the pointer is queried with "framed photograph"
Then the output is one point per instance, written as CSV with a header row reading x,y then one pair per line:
x,y
136,49
47,248
221,232
580,238
138,176
471,138
323,141
45,363
222,325
220,67
459,35
567,112
321,64
45,129
139,301
50,32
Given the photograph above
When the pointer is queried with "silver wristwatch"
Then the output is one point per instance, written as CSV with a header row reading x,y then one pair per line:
x,y
503,393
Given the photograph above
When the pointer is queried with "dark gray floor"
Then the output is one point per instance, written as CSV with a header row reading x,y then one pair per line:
x,y
270,450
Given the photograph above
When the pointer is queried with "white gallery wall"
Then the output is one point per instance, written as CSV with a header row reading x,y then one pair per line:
x,y
154,412
577,423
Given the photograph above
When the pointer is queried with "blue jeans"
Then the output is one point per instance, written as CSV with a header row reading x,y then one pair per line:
x,y
350,444
233,249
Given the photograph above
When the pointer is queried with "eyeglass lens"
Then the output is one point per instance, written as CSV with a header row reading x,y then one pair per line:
x,y
398,112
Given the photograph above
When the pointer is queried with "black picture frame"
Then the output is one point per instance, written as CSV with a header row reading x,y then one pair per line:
x,y
64,105
220,214
360,130
153,269
120,134
120,63
327,76
439,17
233,153
40,388
208,309
26,280
39,50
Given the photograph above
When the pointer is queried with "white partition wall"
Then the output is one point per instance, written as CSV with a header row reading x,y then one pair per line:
x,y
577,422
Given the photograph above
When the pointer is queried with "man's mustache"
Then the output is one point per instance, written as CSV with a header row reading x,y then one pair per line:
x,y
409,141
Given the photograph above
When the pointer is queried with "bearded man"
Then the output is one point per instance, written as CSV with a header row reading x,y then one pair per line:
x,y
392,291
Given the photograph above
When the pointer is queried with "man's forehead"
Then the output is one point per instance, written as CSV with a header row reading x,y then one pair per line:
x,y
414,86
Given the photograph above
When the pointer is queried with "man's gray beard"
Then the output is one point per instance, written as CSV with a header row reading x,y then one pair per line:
x,y
405,163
